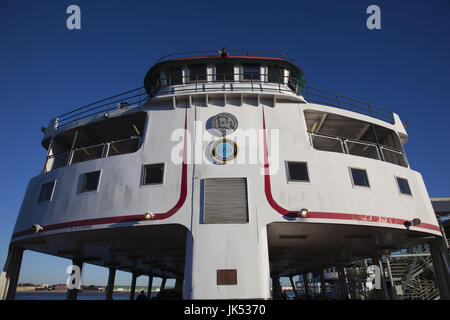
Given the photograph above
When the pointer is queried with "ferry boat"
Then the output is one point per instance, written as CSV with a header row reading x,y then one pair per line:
x,y
225,171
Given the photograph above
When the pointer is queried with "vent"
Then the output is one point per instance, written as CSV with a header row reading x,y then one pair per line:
x,y
225,200
293,237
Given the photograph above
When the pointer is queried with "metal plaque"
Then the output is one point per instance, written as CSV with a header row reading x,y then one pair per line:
x,y
224,122
227,277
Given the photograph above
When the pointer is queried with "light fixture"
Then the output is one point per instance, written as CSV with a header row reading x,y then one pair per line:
x,y
149,216
414,222
304,213
106,115
36,228
122,105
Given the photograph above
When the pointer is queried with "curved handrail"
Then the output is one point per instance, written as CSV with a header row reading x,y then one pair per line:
x,y
289,83
196,53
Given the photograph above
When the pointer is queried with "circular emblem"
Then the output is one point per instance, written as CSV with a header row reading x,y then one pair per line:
x,y
224,122
223,150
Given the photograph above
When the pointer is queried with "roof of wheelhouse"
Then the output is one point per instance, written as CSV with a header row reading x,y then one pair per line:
x,y
221,56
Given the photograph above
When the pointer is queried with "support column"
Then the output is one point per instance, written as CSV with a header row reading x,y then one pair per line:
x,y
110,286
149,286
343,283
163,284
204,280
441,268
323,287
178,284
72,294
133,285
10,275
276,287
379,261
393,290
444,237
291,278
306,284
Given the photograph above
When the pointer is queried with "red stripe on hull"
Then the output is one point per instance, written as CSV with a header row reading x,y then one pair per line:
x,y
129,218
323,215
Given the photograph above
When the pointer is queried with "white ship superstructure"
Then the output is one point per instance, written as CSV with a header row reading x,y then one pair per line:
x,y
225,171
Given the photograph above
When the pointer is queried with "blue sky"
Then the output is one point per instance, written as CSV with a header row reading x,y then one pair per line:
x,y
46,70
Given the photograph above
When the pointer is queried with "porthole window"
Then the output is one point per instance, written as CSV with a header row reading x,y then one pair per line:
x,y
403,186
359,177
223,150
152,174
46,191
90,181
297,171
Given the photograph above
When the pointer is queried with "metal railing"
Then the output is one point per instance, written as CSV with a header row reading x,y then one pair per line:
x,y
102,150
314,95
326,143
263,82
218,53
55,161
119,101
360,148
280,83
229,82
394,156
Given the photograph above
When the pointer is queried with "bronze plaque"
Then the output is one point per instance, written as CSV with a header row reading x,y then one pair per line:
x,y
227,277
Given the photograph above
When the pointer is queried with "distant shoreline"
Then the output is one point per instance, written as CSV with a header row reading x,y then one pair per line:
x,y
127,290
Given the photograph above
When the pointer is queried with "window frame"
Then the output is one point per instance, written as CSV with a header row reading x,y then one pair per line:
x,y
143,174
170,74
51,194
243,72
227,65
288,176
83,182
280,75
399,189
353,182
189,75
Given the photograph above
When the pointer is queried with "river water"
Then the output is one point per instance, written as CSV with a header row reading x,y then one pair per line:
x,y
46,295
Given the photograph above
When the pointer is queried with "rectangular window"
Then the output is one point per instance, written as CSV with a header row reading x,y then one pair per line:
x,y
90,181
197,72
251,71
359,177
224,72
174,76
275,74
297,171
403,186
46,191
153,174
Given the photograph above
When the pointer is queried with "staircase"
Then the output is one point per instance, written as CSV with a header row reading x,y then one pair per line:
x,y
413,278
